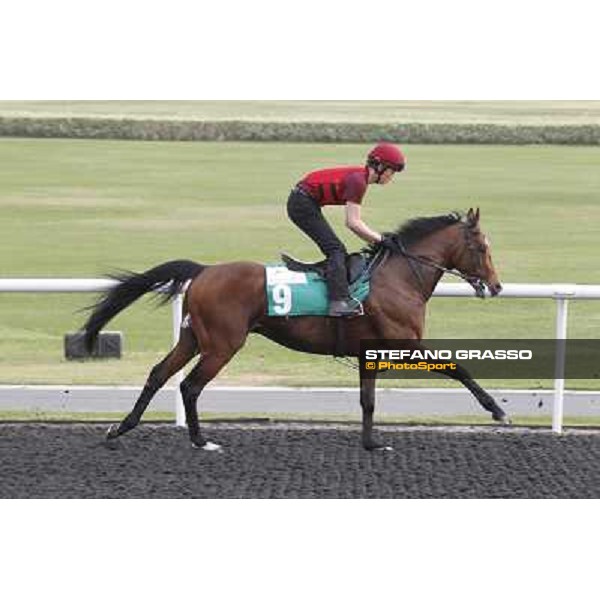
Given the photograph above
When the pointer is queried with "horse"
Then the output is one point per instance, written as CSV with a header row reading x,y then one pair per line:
x,y
225,302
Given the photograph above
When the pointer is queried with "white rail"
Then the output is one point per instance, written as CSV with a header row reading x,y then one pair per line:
x,y
560,292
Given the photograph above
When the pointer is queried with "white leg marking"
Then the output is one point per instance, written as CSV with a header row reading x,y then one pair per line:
x,y
212,447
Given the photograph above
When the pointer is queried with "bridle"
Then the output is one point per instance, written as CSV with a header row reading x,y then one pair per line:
x,y
415,260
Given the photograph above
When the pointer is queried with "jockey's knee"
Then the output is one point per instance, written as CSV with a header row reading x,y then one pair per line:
x,y
337,252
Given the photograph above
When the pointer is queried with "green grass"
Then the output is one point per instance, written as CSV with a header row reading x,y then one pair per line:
x,y
207,417
498,112
77,208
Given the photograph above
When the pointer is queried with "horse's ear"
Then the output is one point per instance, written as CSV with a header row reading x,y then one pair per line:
x,y
473,216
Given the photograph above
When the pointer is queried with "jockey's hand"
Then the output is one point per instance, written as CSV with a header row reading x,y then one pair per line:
x,y
388,242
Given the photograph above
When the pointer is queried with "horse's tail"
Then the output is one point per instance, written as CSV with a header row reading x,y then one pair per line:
x,y
171,276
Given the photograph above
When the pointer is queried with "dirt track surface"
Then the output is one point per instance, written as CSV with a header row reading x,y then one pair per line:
x,y
293,461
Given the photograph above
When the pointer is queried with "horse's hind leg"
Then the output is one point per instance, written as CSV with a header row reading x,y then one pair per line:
x,y
181,354
221,332
207,368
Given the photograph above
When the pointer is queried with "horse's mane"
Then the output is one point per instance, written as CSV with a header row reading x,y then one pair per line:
x,y
410,232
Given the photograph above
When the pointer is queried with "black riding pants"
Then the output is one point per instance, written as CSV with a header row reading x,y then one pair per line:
x,y
306,214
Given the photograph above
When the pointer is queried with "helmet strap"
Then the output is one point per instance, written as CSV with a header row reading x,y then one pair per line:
x,y
380,170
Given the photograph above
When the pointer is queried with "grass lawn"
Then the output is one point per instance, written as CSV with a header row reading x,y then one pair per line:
x,y
77,208
207,417
499,112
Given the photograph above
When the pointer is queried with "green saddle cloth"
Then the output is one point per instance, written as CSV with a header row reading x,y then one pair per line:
x,y
295,294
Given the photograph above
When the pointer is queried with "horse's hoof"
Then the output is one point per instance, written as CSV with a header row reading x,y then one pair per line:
x,y
208,446
111,432
503,419
378,447
110,440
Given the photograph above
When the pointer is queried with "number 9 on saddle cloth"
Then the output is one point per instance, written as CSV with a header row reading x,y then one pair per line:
x,y
297,289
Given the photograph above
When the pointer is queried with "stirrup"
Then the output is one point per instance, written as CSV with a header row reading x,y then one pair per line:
x,y
349,307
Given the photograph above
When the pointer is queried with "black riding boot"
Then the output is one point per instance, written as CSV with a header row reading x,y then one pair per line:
x,y
340,303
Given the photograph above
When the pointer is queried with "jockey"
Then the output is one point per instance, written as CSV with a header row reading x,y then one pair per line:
x,y
341,186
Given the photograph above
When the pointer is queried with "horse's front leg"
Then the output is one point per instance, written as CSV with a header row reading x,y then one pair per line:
x,y
367,403
462,375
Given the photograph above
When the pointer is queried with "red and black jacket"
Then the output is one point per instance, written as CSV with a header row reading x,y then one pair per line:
x,y
336,186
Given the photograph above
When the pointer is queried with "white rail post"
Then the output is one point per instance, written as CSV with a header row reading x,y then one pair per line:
x,y
177,307
559,365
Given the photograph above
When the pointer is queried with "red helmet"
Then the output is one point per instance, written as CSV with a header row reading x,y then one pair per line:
x,y
388,156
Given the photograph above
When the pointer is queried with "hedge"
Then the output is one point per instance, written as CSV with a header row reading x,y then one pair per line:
x,y
415,133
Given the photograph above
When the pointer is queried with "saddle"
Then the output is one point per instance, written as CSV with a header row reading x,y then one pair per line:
x,y
356,265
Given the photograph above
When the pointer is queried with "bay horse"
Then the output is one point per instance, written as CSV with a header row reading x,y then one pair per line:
x,y
223,303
